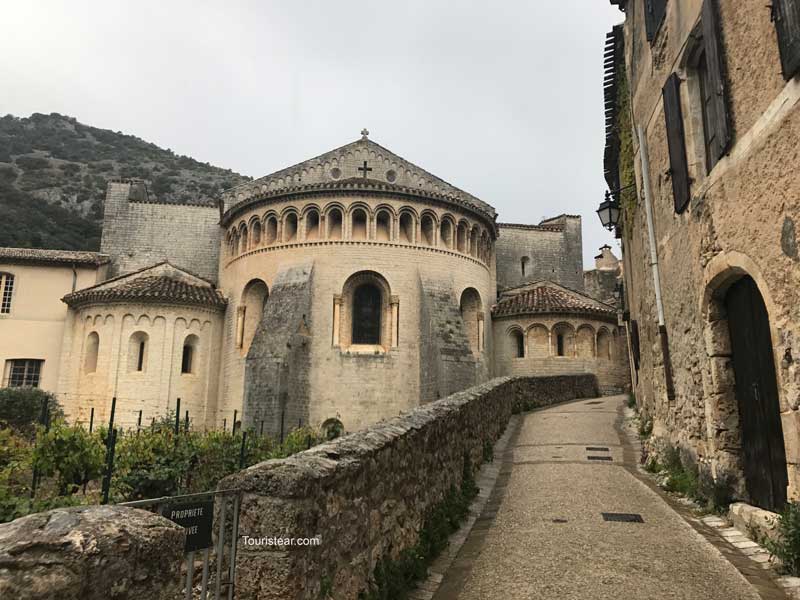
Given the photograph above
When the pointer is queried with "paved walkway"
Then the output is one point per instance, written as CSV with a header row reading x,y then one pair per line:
x,y
542,534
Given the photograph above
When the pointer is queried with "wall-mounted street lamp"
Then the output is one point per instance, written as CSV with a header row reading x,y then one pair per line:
x,y
609,212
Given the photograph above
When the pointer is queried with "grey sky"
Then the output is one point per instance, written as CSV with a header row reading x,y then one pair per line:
x,y
502,99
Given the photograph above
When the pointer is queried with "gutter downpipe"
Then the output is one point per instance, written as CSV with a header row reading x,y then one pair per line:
x,y
648,206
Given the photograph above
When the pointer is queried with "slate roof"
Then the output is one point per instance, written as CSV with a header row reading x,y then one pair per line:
x,y
156,289
309,174
65,257
546,297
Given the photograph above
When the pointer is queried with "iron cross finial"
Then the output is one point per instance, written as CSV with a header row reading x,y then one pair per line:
x,y
364,133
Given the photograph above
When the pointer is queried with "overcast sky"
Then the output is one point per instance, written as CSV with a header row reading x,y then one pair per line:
x,y
501,99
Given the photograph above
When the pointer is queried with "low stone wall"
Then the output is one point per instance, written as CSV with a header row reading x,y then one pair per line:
x,y
365,495
90,553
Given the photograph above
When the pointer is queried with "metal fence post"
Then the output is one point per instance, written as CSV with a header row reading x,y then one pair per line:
x,y
242,449
91,420
235,412
177,419
109,465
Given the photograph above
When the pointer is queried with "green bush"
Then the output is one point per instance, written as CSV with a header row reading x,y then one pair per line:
x,y
70,454
787,545
21,408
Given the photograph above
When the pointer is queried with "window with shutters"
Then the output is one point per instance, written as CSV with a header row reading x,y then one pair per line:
x,y
654,12
786,14
676,142
634,335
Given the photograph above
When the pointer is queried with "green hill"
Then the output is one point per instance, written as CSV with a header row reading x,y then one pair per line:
x,y
53,175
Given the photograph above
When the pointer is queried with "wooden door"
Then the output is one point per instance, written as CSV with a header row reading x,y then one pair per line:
x,y
763,453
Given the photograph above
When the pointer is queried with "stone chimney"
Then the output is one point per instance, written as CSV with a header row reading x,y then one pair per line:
x,y
606,261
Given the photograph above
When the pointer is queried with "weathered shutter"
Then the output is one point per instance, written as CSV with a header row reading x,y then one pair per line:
x,y
712,40
654,11
676,142
634,333
787,23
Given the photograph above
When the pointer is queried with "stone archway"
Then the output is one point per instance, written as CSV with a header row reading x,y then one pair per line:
x,y
743,406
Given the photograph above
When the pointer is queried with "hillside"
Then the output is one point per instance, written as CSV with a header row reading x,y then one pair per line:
x,y
53,175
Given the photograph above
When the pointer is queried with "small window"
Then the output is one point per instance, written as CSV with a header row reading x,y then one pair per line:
x,y
92,349
6,291
519,343
23,372
560,344
524,265
654,12
367,303
189,351
137,352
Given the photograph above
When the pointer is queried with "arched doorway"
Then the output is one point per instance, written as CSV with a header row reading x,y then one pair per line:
x,y
763,452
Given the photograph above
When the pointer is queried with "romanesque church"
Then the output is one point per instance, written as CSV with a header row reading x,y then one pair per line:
x,y
337,292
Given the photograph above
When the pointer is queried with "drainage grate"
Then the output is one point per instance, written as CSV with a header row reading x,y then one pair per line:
x,y
623,517
598,458
596,449
559,520
595,402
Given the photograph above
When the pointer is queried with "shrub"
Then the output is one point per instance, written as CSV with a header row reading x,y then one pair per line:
x,y
631,401
32,163
645,427
21,408
787,545
71,454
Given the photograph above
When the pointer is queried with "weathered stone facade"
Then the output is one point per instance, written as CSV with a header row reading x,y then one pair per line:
x,y
739,222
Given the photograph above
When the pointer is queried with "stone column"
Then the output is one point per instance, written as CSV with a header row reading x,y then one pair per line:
x,y
337,311
395,303
481,341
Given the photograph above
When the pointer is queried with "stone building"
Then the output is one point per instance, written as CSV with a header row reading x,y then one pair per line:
x,y
703,121
342,290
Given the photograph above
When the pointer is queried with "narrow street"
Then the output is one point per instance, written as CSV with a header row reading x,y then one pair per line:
x,y
542,534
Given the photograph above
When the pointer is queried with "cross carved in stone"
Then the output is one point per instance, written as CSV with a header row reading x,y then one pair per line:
x,y
365,169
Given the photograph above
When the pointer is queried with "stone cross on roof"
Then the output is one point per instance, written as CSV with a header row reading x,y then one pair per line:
x,y
364,133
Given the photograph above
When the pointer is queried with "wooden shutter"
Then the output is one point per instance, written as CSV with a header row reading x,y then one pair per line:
x,y
676,141
634,333
787,23
654,11
712,40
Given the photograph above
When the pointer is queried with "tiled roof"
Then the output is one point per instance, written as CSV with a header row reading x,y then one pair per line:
x,y
66,257
547,297
158,289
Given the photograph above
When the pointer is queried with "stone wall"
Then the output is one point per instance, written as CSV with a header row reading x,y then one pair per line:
x,y
741,220
91,553
138,233
366,494
553,250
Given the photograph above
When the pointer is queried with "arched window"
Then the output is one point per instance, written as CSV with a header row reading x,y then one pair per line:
x,y
407,228
290,228
446,233
312,224
461,238
359,224
518,341
563,340
367,308
383,226
332,429
90,356
271,233
473,242
524,265
251,310
189,351
428,230
584,341
472,315
335,224
243,247
137,352
603,344
538,341
6,291
256,235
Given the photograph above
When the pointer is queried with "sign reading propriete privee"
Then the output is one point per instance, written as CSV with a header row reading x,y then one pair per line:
x,y
198,520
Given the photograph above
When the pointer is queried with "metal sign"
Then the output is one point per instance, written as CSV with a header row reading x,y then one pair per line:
x,y
198,520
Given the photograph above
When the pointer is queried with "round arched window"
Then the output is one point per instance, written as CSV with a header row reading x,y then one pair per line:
x,y
367,314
